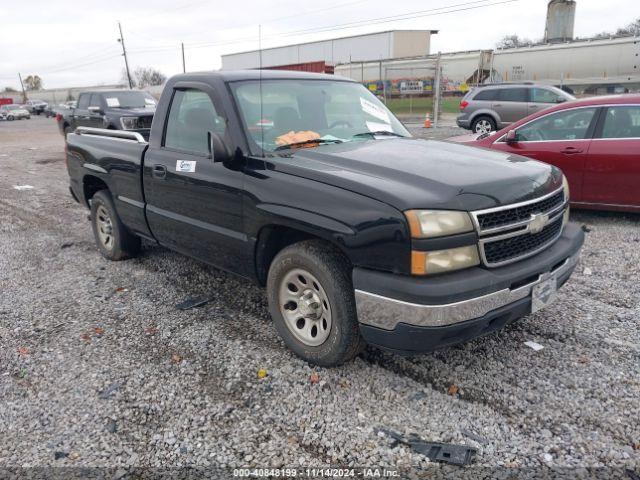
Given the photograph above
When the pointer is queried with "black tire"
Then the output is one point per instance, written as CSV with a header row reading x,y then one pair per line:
x,y
10,118
123,244
333,272
479,124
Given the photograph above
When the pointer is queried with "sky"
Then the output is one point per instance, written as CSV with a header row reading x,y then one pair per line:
x,y
73,44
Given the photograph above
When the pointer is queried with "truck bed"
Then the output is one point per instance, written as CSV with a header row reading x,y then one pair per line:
x,y
115,158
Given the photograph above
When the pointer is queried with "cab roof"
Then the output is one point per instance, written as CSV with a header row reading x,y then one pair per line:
x,y
239,75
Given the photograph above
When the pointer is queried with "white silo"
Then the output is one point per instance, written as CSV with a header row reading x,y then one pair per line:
x,y
561,16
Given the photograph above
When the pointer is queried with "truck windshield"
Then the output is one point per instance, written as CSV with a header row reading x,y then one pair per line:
x,y
307,113
129,100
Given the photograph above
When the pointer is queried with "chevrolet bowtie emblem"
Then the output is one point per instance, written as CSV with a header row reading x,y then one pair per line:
x,y
538,222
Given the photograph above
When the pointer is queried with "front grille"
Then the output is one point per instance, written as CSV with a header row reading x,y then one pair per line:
x,y
145,122
509,216
512,248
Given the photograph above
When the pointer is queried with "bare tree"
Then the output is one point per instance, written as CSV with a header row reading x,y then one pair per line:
x,y
33,82
632,29
148,77
513,41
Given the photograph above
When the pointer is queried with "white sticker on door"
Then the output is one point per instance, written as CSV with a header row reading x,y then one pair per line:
x,y
185,166
374,110
112,102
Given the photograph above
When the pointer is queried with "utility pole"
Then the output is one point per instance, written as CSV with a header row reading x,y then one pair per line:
x,y
184,68
24,94
124,53
437,91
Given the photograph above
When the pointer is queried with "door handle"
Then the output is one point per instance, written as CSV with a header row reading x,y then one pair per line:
x,y
497,105
159,171
570,150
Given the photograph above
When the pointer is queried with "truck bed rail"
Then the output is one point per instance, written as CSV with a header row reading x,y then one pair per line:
x,y
103,132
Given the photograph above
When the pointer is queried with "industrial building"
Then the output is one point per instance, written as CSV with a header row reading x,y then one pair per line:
x,y
374,46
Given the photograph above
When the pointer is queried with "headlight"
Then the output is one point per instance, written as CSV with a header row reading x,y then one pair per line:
x,y
426,263
437,223
129,123
565,187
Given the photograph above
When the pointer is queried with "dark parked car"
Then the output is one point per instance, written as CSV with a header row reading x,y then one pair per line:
x,y
488,108
308,185
113,109
595,141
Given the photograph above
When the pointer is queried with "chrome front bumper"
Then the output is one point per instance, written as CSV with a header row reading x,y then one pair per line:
x,y
386,313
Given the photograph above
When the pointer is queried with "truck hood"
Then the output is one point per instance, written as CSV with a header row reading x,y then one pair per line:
x,y
412,173
137,112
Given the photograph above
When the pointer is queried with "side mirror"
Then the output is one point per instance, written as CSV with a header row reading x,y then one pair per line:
x,y
512,137
95,110
217,148
561,100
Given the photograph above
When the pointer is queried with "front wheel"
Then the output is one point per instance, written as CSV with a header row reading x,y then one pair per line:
x,y
114,241
312,304
483,124
10,118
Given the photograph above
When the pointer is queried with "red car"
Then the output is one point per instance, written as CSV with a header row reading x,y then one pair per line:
x,y
595,142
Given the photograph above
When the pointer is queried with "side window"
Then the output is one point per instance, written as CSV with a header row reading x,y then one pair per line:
x,y
542,95
191,116
622,122
489,94
565,125
83,101
513,95
95,100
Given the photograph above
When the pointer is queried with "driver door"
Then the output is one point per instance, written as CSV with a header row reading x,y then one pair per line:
x,y
561,139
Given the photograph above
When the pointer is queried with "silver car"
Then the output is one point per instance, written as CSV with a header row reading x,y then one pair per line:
x,y
14,112
488,108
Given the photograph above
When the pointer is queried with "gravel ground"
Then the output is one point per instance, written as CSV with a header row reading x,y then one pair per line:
x,y
99,369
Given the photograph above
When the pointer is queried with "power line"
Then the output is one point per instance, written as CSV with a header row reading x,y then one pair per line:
x,y
374,21
465,6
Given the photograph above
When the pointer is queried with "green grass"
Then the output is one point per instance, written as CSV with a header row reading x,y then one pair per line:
x,y
421,105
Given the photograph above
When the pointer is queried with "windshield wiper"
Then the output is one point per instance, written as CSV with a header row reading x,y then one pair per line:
x,y
378,133
307,142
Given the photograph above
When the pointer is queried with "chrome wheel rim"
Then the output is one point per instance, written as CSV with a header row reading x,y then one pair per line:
x,y
104,227
305,307
483,126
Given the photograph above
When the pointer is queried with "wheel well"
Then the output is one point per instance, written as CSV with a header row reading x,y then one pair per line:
x,y
271,240
485,114
91,186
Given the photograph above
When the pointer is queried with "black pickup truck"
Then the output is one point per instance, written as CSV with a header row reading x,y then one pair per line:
x,y
130,110
308,185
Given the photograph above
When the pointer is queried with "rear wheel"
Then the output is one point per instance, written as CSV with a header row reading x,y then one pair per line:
x,y
10,117
114,241
312,304
483,124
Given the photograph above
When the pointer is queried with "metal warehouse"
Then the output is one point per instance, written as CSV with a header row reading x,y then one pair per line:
x,y
375,46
